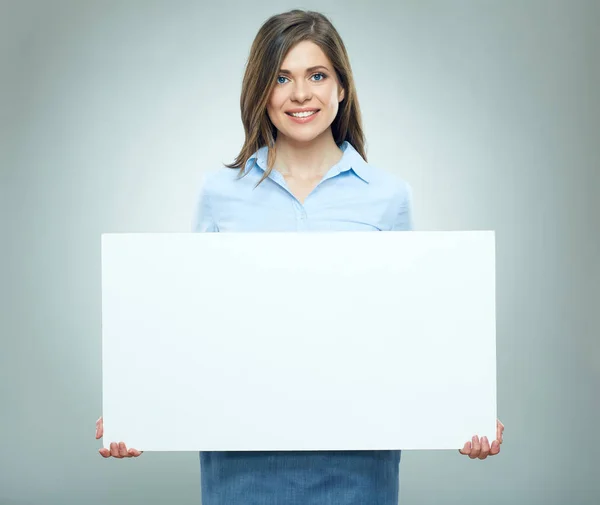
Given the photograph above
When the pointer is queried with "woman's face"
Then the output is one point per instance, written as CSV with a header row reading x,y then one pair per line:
x,y
306,81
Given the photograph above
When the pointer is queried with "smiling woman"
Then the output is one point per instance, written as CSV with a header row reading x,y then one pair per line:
x,y
315,89
302,167
298,96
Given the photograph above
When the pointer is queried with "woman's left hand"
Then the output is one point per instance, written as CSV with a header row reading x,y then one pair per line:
x,y
481,449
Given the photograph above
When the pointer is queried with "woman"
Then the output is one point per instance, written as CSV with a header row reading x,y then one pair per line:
x,y
302,167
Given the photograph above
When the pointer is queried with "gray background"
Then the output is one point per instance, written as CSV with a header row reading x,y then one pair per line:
x,y
111,110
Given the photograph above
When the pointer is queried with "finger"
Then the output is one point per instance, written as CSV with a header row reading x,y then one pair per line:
x,y
466,449
135,453
495,449
123,450
501,437
99,428
485,448
475,447
114,450
105,453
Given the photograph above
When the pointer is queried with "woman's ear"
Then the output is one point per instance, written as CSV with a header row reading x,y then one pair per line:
x,y
341,95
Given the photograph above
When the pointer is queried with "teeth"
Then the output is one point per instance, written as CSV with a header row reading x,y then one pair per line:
x,y
303,114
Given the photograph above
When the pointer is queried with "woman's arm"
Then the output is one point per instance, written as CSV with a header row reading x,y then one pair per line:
x,y
203,219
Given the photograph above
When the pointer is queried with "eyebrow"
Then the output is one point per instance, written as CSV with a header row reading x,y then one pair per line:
x,y
309,69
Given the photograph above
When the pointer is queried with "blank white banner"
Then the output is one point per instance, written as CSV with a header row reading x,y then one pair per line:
x,y
298,341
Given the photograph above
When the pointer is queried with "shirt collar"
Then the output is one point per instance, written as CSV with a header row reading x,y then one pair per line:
x,y
351,160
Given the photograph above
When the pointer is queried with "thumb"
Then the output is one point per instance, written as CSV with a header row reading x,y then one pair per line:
x,y
99,428
466,450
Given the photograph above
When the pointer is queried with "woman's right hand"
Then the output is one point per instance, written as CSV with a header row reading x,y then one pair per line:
x,y
117,450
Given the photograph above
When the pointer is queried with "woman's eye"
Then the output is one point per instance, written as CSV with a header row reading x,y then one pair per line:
x,y
321,76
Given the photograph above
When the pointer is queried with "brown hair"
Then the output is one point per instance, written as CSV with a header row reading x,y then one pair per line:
x,y
274,39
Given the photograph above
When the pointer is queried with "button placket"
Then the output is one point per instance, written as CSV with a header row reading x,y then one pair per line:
x,y
301,217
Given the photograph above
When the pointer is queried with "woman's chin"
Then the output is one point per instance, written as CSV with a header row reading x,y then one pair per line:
x,y
303,137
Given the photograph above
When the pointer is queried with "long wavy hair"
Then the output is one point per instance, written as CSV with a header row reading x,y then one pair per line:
x,y
274,39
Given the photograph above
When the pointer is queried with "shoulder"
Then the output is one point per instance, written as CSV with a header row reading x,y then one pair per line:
x,y
387,182
216,177
395,193
218,181
386,177
380,181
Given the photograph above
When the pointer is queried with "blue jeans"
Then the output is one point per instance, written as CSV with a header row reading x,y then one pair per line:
x,y
300,478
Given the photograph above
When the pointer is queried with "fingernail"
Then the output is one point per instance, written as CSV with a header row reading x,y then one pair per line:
x,y
484,439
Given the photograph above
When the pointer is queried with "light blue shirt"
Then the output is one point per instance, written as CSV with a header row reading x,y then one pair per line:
x,y
353,195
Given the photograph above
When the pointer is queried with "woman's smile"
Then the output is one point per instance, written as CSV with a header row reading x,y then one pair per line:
x,y
302,117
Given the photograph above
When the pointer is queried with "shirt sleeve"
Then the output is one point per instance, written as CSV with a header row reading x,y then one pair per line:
x,y
404,217
203,218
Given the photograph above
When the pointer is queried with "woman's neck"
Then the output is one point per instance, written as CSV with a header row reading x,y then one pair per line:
x,y
306,160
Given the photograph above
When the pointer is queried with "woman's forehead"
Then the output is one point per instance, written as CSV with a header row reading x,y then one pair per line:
x,y
303,55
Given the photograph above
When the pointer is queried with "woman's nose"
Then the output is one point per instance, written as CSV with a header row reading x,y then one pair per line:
x,y
301,91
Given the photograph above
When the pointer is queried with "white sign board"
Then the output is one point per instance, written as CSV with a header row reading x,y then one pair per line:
x,y
298,341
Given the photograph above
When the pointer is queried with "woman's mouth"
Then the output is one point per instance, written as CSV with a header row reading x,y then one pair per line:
x,y
302,117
